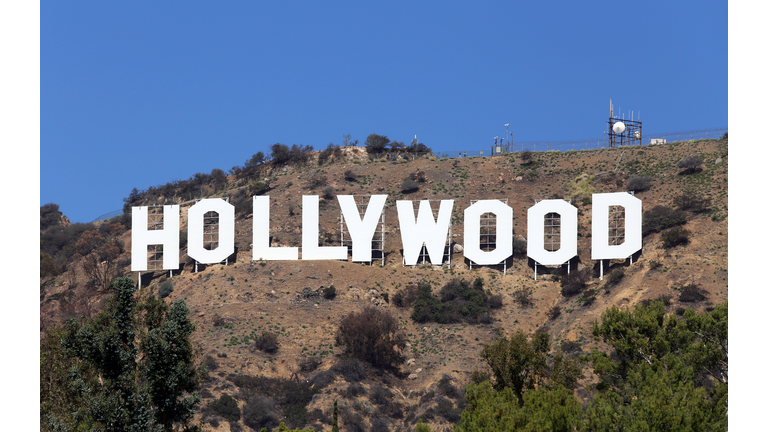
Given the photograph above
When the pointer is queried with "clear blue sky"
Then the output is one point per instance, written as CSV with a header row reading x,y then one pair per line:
x,y
136,94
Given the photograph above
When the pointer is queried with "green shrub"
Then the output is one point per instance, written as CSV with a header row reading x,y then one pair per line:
x,y
495,301
588,296
350,368
372,335
479,376
639,184
665,299
258,188
459,301
226,406
692,202
243,202
261,412
418,176
353,422
674,237
210,363
523,296
447,389
309,364
553,312
660,218
330,292
329,193
526,157
322,379
268,396
354,390
692,293
519,247
267,343
406,297
418,148
428,307
690,164
409,186
317,180
615,276
446,410
380,424
350,176
574,283
570,347
165,289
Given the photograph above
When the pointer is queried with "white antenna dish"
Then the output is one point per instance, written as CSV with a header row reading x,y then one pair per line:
x,y
637,134
619,127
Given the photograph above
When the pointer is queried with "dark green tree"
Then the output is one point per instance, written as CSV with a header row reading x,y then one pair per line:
x,y
489,409
167,364
128,369
49,215
335,426
566,371
418,148
517,363
255,160
665,373
281,153
375,144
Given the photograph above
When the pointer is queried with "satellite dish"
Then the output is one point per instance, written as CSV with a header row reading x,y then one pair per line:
x,y
619,128
637,134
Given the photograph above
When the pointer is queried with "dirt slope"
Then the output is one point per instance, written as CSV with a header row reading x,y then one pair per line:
x,y
230,302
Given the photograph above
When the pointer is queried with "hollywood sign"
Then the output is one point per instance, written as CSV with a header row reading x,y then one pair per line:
x,y
416,230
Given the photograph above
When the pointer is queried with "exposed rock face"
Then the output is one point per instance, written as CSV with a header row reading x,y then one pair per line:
x,y
375,298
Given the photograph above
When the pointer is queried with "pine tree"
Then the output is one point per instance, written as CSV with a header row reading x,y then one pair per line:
x,y
100,377
335,427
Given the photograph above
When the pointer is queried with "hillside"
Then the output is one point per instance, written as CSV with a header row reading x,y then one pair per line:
x,y
233,304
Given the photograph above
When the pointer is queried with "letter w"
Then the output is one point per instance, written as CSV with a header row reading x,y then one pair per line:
x,y
424,230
